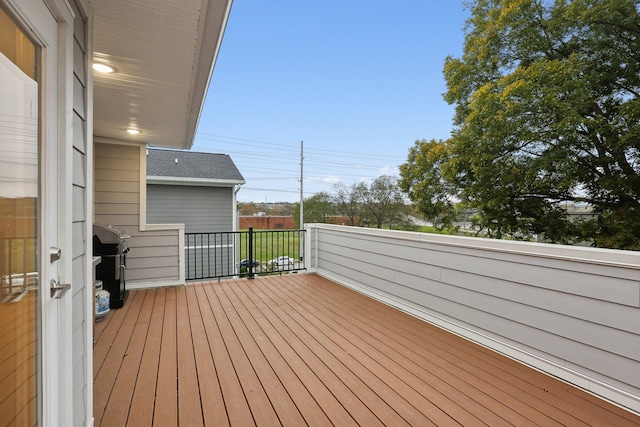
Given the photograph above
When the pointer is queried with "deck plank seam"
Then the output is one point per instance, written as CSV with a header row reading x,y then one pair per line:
x,y
293,340
445,418
462,384
473,350
334,362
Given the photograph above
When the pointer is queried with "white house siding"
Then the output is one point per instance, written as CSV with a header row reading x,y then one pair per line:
x,y
570,311
154,256
82,288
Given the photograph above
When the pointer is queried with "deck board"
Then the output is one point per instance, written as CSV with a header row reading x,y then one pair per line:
x,y
120,398
504,375
494,406
165,411
378,361
506,380
189,407
236,406
283,362
261,408
210,393
113,346
301,350
348,388
142,402
275,393
388,406
303,373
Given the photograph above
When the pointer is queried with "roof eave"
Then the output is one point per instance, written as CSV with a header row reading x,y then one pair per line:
x,y
202,182
163,54
204,68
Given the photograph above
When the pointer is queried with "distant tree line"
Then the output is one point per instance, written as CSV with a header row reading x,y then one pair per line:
x,y
271,209
380,204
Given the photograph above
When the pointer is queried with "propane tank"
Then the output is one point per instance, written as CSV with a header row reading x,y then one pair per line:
x,y
102,301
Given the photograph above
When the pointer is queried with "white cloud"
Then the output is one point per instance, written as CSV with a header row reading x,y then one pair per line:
x,y
327,179
389,170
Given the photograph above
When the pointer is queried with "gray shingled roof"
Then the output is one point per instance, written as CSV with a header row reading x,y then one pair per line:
x,y
190,164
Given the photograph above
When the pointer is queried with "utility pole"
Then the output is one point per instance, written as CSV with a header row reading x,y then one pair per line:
x,y
301,241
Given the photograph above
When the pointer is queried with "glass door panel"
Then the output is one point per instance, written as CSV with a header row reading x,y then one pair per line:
x,y
18,225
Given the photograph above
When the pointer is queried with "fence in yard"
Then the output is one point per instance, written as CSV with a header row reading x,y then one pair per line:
x,y
243,253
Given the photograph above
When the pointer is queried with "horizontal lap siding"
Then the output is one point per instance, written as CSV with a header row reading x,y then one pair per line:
x,y
569,310
117,172
200,209
154,254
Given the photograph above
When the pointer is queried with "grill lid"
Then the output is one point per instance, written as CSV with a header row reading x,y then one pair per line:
x,y
108,240
109,235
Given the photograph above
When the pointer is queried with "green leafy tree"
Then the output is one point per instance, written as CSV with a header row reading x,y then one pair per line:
x,y
423,178
547,113
319,207
384,201
348,201
247,209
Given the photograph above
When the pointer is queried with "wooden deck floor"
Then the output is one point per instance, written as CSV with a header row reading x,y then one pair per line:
x,y
301,350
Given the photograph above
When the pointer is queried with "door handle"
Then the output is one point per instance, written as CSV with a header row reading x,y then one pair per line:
x,y
59,289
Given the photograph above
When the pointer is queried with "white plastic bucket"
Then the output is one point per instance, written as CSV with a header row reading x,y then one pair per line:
x,y
102,301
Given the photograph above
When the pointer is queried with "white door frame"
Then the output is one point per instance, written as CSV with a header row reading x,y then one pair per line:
x,y
50,24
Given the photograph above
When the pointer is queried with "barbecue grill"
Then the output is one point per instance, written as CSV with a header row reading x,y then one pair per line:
x,y
111,244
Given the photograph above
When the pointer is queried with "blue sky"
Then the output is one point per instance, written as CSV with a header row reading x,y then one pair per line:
x,y
357,81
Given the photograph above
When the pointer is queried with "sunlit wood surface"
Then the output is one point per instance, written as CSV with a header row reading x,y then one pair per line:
x,y
301,350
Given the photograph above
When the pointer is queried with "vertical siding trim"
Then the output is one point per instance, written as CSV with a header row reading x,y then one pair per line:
x,y
181,256
81,167
66,104
143,187
90,263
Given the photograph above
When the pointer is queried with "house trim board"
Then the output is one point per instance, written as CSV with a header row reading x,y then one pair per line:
x,y
154,284
90,260
143,188
193,181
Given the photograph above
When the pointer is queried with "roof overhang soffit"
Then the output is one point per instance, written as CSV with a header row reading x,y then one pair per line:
x,y
163,53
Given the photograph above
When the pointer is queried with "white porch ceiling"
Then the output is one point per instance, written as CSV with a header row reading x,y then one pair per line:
x,y
163,52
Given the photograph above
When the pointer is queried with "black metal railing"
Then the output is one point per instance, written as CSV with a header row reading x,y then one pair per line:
x,y
243,253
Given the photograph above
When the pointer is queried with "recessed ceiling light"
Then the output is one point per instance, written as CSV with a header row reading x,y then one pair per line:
x,y
133,131
103,68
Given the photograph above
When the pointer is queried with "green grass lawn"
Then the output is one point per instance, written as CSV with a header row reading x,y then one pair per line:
x,y
269,244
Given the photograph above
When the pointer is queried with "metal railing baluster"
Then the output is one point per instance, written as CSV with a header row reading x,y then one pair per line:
x,y
232,253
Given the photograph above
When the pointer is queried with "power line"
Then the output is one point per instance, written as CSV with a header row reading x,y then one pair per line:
x,y
323,168
319,151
